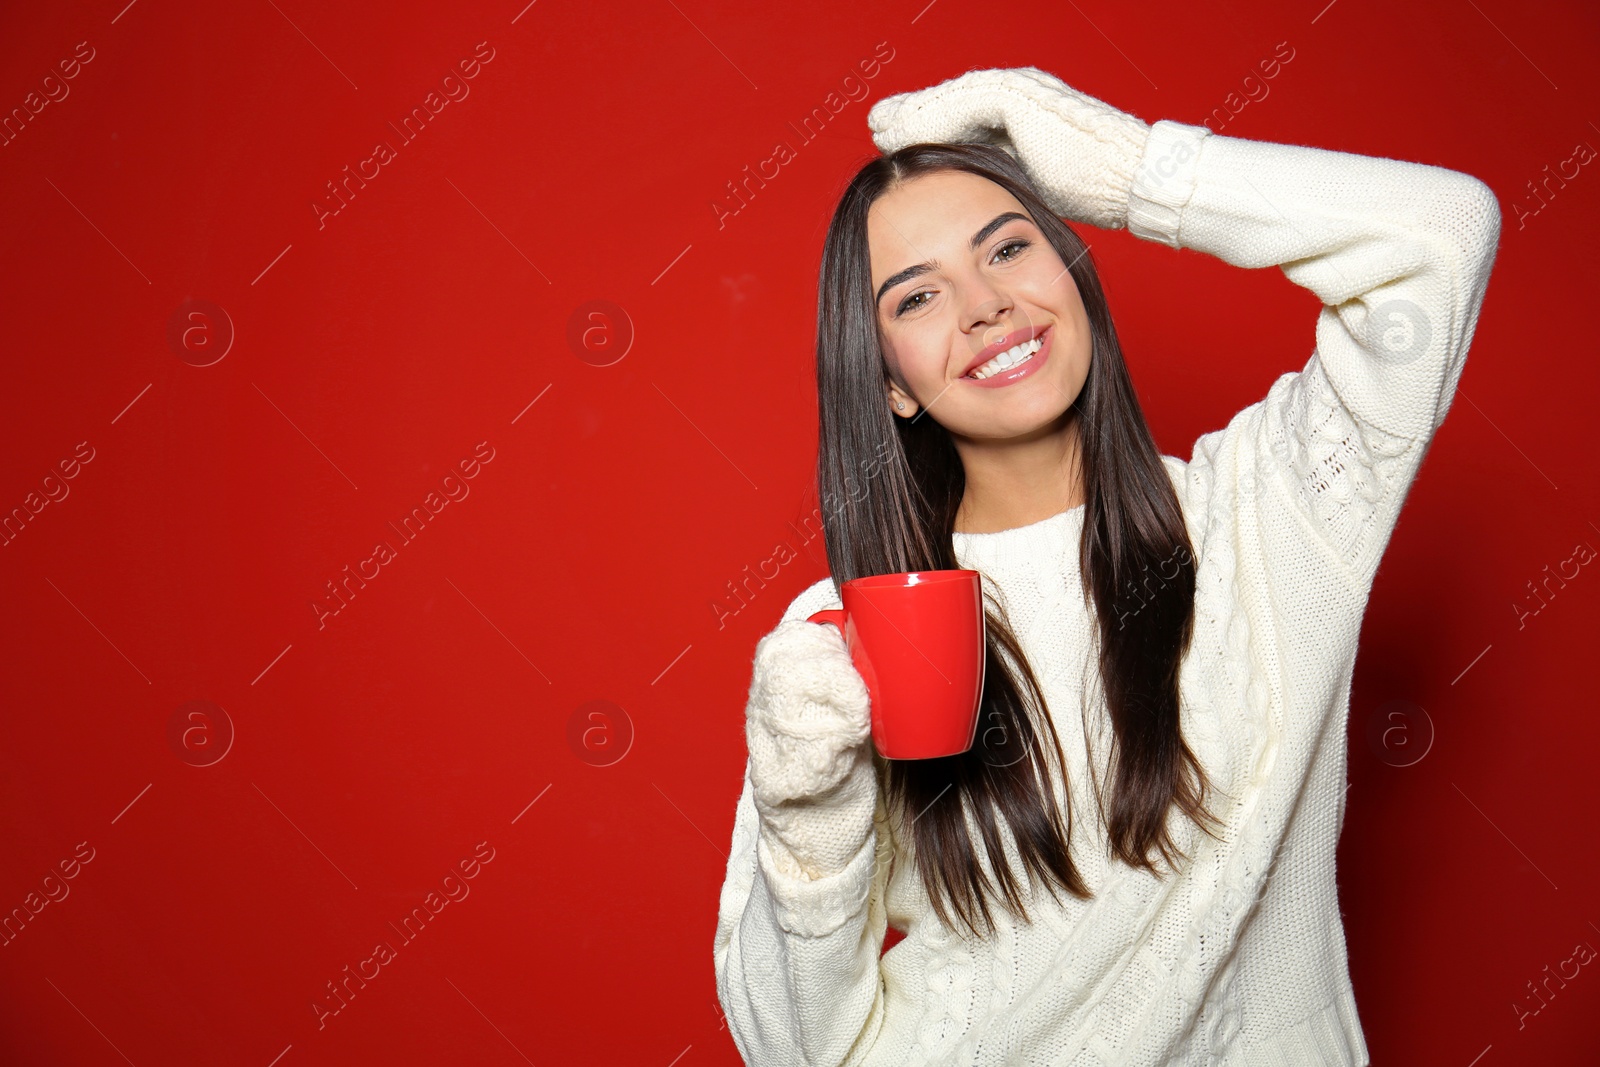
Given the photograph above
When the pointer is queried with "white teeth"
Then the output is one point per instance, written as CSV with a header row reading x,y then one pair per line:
x,y
1008,359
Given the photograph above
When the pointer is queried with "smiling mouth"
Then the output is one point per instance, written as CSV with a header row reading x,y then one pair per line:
x,y
1012,357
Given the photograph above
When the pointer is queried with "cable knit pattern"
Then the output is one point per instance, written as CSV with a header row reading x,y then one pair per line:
x,y
806,728
1239,958
1343,467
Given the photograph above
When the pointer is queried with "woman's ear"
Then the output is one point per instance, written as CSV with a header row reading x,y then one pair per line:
x,y
901,402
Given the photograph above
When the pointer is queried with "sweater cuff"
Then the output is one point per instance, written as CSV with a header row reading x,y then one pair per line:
x,y
1164,181
817,907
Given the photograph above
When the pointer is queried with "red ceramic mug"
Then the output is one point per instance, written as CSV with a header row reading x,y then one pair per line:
x,y
918,641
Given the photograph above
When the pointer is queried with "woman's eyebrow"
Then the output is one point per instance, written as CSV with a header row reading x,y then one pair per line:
x,y
933,264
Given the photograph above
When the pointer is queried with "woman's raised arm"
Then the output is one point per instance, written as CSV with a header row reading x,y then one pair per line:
x,y
1398,253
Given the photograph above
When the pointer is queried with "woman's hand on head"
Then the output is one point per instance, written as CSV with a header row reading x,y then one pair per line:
x,y
1081,152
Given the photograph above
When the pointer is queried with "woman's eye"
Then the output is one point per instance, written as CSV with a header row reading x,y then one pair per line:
x,y
1015,246
1019,244
907,304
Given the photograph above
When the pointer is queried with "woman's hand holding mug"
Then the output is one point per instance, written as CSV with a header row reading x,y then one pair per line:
x,y
807,725
899,667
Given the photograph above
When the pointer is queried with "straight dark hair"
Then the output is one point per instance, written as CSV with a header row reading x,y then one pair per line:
x,y
903,520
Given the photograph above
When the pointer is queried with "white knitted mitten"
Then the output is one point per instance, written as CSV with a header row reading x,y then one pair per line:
x,y
1079,151
808,724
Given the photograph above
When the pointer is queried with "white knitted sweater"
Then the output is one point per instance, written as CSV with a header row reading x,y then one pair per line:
x,y
1240,959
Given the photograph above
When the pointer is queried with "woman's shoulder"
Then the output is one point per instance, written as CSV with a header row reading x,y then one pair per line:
x,y
1192,497
1178,471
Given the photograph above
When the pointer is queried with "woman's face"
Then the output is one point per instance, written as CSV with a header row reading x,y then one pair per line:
x,y
964,300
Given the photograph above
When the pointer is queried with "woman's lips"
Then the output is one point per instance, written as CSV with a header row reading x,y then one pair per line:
x,y
1022,370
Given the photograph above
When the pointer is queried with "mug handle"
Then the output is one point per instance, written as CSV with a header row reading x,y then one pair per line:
x,y
835,616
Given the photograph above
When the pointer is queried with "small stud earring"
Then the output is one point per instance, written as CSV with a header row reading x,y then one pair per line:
x,y
900,405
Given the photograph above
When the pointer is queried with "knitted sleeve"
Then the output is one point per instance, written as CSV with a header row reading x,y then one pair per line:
x,y
1398,253
797,957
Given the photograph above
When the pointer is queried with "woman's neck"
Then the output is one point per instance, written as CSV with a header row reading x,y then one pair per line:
x,y
1018,482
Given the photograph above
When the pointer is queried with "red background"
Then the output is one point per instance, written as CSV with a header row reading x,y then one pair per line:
x,y
434,711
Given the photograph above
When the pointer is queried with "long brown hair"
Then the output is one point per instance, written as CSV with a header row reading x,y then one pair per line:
x,y
903,521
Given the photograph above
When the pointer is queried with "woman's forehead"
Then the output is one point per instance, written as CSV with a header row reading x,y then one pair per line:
x,y
930,217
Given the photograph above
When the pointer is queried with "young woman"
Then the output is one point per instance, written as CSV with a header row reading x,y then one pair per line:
x,y
1135,862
